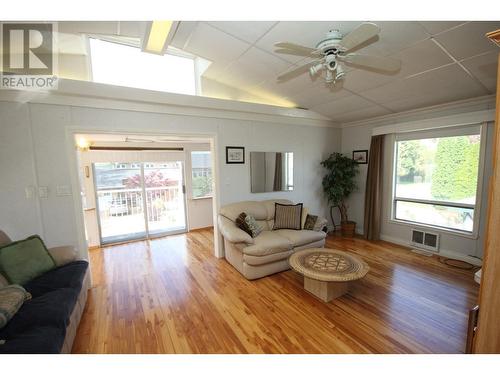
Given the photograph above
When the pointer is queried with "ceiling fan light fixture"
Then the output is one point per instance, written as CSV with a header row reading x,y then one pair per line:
x,y
314,70
329,77
340,73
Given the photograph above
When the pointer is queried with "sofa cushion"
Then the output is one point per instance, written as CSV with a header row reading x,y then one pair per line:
x,y
35,340
255,228
21,261
271,206
301,237
248,224
50,309
233,210
11,299
305,214
260,210
231,232
70,275
310,222
63,254
3,281
266,243
288,216
271,258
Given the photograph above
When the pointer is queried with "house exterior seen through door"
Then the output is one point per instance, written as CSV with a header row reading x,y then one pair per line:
x,y
139,199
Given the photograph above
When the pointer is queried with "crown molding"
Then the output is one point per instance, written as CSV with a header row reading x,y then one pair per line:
x,y
97,95
459,119
480,103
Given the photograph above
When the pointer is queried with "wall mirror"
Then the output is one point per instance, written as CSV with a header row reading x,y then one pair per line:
x,y
271,171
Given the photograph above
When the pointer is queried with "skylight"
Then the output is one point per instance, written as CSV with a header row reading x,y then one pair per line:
x,y
122,65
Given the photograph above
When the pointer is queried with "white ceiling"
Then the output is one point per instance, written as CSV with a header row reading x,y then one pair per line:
x,y
441,62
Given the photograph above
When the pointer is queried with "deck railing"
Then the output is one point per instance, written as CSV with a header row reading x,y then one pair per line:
x,y
160,201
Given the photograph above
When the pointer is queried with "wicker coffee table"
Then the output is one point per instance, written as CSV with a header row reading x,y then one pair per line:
x,y
327,273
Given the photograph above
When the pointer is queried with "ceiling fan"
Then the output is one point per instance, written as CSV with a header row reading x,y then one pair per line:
x,y
331,53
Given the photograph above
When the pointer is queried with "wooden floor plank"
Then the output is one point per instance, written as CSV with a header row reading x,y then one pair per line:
x,y
171,295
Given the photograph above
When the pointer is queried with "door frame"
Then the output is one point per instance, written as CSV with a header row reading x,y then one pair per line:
x,y
71,151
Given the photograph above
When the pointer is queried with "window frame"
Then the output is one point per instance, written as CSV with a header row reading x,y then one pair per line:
x,y
209,196
136,44
440,133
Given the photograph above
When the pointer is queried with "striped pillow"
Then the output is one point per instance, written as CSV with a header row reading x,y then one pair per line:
x,y
287,216
11,299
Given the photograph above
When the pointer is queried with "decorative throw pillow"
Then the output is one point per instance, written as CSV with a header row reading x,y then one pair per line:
x,y
11,299
242,224
305,212
287,216
248,224
310,222
21,261
3,281
254,227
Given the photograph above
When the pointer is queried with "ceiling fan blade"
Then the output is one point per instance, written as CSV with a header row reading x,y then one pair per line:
x,y
294,52
359,35
386,64
296,47
297,71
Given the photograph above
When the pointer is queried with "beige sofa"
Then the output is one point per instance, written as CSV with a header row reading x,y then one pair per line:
x,y
268,252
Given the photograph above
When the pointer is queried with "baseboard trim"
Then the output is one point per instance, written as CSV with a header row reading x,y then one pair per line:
x,y
443,252
201,228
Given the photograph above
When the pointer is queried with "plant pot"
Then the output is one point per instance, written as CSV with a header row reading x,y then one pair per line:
x,y
348,228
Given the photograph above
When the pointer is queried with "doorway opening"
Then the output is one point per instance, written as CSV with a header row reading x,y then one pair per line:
x,y
138,187
139,199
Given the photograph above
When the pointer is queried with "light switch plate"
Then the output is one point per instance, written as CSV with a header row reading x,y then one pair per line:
x,y
29,192
43,191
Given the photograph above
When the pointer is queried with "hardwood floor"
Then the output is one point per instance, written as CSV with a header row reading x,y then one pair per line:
x,y
171,295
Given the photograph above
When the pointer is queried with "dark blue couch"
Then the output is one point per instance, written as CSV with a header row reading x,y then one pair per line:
x,y
41,323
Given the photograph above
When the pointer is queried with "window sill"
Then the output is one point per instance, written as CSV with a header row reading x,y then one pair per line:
x,y
201,198
440,230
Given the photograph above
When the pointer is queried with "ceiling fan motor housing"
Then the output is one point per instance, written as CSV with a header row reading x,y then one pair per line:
x,y
331,44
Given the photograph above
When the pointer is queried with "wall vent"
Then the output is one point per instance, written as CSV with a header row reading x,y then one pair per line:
x,y
425,240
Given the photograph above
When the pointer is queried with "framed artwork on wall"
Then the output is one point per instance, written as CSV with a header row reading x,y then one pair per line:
x,y
235,155
360,156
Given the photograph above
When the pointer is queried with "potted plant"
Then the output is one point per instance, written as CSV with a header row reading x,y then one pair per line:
x,y
338,184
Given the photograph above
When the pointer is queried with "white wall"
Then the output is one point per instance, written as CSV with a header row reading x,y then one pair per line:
x,y
36,146
358,136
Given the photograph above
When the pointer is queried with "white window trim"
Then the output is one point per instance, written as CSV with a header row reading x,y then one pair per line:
x,y
128,42
483,129
201,198
191,196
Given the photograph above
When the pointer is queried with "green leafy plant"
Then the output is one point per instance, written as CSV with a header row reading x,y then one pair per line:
x,y
455,176
339,182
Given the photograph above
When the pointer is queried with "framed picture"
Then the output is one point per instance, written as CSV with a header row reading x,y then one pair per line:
x,y
360,156
235,155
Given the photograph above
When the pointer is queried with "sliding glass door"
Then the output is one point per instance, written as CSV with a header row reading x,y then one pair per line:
x,y
139,199
164,190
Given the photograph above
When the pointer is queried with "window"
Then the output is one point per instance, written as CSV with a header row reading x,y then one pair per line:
x,y
201,165
123,65
436,178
